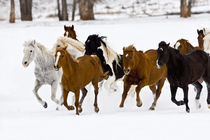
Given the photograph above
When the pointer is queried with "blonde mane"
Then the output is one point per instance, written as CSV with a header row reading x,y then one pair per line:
x,y
110,54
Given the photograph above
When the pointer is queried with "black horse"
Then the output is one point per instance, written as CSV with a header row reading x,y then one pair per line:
x,y
184,70
96,45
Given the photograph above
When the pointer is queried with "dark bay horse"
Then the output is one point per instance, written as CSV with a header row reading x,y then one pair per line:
x,y
184,70
77,73
140,69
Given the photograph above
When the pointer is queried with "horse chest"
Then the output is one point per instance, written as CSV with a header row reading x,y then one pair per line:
x,y
132,79
46,75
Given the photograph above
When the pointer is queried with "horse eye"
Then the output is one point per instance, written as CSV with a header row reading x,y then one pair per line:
x,y
58,45
30,50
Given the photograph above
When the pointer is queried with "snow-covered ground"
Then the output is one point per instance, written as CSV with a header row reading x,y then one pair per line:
x,y
22,117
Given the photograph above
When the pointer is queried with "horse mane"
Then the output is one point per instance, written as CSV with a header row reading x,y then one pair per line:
x,y
74,43
41,47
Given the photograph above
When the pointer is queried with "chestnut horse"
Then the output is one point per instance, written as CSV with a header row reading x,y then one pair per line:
x,y
77,73
70,32
140,69
184,46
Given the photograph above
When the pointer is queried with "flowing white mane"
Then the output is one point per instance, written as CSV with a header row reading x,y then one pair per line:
x,y
110,55
64,41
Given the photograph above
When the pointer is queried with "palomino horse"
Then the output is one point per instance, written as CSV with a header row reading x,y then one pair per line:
x,y
44,70
184,70
70,32
77,73
184,46
140,69
111,61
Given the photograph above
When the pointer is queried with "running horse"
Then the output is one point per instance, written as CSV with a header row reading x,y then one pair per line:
x,y
184,70
77,73
140,69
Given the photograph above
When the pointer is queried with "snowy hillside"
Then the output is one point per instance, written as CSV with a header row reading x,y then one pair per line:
x,y
23,118
47,9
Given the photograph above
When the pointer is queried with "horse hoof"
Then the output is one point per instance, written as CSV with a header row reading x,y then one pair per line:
x,y
96,109
151,108
121,105
80,109
115,90
77,113
71,107
45,105
188,110
139,104
180,103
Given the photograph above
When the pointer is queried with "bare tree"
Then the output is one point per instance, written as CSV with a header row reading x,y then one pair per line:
x,y
185,8
62,13
26,10
86,9
12,12
73,9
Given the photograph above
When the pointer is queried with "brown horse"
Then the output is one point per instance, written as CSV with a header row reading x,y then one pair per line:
x,y
77,73
140,69
184,46
70,32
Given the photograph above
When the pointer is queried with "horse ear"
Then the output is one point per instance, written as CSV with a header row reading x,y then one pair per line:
x,y
65,27
72,27
34,42
198,31
168,44
123,48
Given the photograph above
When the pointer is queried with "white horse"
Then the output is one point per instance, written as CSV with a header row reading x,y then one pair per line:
x,y
206,39
44,68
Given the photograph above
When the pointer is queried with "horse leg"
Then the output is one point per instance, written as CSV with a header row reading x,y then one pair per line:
x,y
153,89
54,86
95,84
208,97
125,92
65,96
84,93
108,82
173,96
138,100
77,101
185,89
35,91
158,92
198,87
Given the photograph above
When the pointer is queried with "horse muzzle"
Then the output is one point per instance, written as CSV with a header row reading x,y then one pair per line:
x,y
56,67
25,64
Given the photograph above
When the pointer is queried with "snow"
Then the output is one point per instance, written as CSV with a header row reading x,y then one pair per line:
x,y
22,117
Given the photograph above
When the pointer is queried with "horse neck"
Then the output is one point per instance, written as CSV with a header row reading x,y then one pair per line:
x,y
70,65
201,43
175,58
140,59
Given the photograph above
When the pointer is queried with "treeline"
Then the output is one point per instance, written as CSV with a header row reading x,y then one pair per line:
x,y
86,11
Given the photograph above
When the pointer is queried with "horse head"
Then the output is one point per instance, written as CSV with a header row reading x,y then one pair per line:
x,y
200,37
70,32
129,58
29,52
163,54
60,55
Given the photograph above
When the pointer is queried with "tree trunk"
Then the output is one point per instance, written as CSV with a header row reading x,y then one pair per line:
x,y
184,9
62,13
73,9
86,9
12,12
59,10
189,8
64,10
26,10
